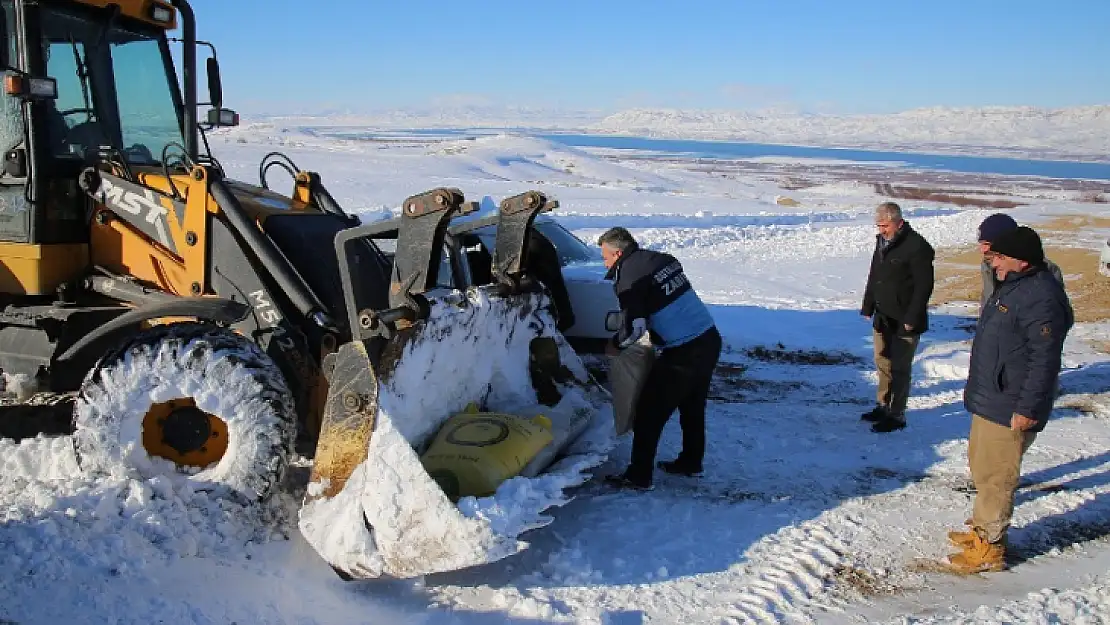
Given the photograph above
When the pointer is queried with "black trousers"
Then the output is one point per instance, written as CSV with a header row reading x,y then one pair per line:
x,y
679,380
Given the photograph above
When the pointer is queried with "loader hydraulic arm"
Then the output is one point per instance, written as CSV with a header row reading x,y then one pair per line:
x,y
292,284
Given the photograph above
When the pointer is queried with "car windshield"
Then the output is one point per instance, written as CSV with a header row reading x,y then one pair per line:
x,y
114,89
571,249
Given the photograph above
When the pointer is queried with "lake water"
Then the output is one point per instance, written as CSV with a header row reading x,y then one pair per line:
x,y
741,150
733,150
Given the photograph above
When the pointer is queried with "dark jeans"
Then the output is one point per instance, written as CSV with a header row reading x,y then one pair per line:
x,y
678,380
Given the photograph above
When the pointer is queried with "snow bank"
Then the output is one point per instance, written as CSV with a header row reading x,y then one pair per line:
x,y
63,529
1050,605
474,347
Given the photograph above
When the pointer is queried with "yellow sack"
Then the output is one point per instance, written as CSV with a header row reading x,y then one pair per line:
x,y
475,451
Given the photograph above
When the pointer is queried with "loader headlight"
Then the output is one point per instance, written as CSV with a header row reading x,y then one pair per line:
x,y
161,13
29,88
223,117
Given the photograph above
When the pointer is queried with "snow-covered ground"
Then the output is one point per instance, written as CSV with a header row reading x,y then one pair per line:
x,y
804,515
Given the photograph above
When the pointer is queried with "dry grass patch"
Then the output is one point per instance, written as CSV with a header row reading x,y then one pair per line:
x,y
956,275
1094,197
793,183
958,279
862,581
1064,225
941,195
957,269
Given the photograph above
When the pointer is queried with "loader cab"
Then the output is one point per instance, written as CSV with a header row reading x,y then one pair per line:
x,y
116,93
115,97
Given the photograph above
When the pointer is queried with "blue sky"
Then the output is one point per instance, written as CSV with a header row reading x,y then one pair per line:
x,y
841,56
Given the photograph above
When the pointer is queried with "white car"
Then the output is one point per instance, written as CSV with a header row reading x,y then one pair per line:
x,y
591,294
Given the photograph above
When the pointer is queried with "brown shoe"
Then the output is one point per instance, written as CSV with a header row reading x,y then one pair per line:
x,y
979,557
962,539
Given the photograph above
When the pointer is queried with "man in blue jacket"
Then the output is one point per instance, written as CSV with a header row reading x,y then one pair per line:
x,y
1015,364
656,299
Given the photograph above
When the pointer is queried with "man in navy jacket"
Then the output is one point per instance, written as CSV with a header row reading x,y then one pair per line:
x,y
1015,364
656,299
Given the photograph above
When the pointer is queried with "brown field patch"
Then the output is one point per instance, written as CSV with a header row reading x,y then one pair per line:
x,y
957,269
941,195
1063,224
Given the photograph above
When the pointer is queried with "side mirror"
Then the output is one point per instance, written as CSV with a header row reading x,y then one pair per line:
x,y
612,321
215,86
222,118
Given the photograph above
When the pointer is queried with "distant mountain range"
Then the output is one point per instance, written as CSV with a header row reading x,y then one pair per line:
x,y
1077,132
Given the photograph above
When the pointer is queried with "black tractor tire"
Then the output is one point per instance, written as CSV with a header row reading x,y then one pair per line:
x,y
221,375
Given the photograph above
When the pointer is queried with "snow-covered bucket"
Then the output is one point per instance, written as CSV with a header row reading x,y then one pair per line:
x,y
390,518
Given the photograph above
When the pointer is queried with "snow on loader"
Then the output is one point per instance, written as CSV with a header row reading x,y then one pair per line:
x,y
199,329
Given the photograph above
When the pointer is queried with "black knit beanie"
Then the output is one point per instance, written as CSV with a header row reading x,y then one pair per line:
x,y
1021,243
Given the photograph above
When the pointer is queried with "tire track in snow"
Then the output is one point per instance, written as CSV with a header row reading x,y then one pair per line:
x,y
787,572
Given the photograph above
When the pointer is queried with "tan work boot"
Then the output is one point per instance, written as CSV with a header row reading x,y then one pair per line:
x,y
980,556
963,539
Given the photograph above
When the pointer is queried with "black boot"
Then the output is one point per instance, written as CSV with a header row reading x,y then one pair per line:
x,y
680,467
629,480
878,413
891,423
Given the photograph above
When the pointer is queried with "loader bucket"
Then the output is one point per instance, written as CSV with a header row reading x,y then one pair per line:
x,y
372,510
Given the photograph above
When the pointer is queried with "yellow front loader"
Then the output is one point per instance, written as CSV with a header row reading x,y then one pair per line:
x,y
205,328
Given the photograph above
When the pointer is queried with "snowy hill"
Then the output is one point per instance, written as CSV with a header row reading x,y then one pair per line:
x,y
1079,131
468,116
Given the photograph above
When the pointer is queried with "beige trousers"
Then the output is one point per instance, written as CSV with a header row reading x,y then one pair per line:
x,y
994,453
894,362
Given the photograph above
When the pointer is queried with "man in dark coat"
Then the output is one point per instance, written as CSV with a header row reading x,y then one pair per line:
x,y
896,300
658,302
1015,364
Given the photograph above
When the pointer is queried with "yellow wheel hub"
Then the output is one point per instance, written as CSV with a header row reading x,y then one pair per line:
x,y
183,434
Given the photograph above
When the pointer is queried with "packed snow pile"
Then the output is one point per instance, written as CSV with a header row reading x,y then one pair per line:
x,y
391,518
63,527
